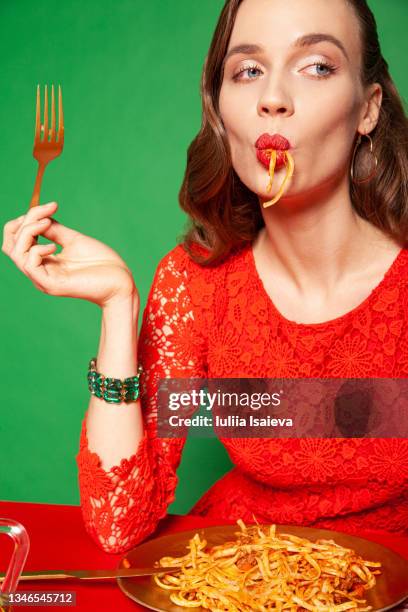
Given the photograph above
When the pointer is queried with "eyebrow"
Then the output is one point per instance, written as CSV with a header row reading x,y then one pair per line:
x,y
303,41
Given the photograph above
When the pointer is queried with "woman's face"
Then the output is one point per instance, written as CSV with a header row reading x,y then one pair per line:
x,y
302,82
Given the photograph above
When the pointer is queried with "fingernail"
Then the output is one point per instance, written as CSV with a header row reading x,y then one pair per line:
x,y
44,221
51,204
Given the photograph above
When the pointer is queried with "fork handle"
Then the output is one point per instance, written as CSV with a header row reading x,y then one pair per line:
x,y
35,198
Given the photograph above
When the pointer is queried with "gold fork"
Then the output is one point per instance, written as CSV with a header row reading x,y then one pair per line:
x,y
51,145
48,148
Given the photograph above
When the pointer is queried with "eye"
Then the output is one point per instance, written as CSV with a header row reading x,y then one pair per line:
x,y
328,69
249,69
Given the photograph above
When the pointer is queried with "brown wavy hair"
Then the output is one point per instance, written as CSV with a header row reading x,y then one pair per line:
x,y
224,215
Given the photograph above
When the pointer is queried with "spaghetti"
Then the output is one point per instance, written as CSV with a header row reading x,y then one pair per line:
x,y
261,570
290,165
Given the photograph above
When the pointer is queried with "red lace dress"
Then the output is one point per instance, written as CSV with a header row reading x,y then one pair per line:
x,y
220,322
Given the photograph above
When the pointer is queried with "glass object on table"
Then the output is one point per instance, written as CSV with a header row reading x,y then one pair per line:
x,y
19,535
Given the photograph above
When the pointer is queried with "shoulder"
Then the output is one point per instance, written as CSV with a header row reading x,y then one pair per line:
x,y
391,298
173,262
178,258
399,272
203,282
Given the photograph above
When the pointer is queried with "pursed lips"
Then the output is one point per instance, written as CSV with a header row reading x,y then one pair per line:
x,y
265,143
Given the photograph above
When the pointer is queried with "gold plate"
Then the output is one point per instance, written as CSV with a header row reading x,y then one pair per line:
x,y
391,588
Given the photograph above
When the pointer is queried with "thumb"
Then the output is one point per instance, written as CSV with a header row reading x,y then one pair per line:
x,y
59,233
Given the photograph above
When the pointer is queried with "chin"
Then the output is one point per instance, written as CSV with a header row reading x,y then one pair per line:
x,y
258,182
261,191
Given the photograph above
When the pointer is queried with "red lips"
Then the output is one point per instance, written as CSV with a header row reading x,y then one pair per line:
x,y
268,141
278,142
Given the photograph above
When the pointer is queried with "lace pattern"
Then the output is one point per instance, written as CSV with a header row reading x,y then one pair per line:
x,y
219,322
122,506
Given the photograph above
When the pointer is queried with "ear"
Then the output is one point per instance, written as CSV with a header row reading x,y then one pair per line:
x,y
371,108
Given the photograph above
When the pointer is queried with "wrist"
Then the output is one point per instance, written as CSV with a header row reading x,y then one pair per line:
x,y
120,305
117,354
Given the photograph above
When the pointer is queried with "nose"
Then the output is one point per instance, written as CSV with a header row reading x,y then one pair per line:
x,y
274,98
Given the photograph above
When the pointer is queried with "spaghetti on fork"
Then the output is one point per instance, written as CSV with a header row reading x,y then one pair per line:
x,y
262,570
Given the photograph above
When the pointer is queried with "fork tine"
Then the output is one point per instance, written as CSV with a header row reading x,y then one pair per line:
x,y
46,116
60,116
37,135
52,134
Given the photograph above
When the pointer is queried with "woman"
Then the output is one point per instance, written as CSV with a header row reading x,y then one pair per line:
x,y
314,285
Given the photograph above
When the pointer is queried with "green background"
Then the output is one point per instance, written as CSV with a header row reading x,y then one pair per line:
x,y
130,73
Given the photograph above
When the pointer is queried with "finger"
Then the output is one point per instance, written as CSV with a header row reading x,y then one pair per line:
x,y
37,212
13,228
61,234
9,231
24,240
33,266
40,211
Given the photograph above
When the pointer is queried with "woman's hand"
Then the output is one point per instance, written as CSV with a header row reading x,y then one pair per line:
x,y
85,268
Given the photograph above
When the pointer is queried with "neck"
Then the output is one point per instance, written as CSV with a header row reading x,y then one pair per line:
x,y
319,242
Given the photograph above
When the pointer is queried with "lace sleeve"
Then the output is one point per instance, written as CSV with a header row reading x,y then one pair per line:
x,y
122,506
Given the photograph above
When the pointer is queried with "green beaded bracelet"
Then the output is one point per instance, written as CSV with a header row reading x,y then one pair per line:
x,y
113,390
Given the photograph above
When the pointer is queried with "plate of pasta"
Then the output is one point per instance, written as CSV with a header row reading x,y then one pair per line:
x,y
242,568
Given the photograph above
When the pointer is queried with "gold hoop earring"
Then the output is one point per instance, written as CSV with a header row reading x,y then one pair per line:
x,y
375,167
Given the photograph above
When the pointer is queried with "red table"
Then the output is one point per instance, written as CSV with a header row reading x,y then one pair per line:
x,y
59,541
